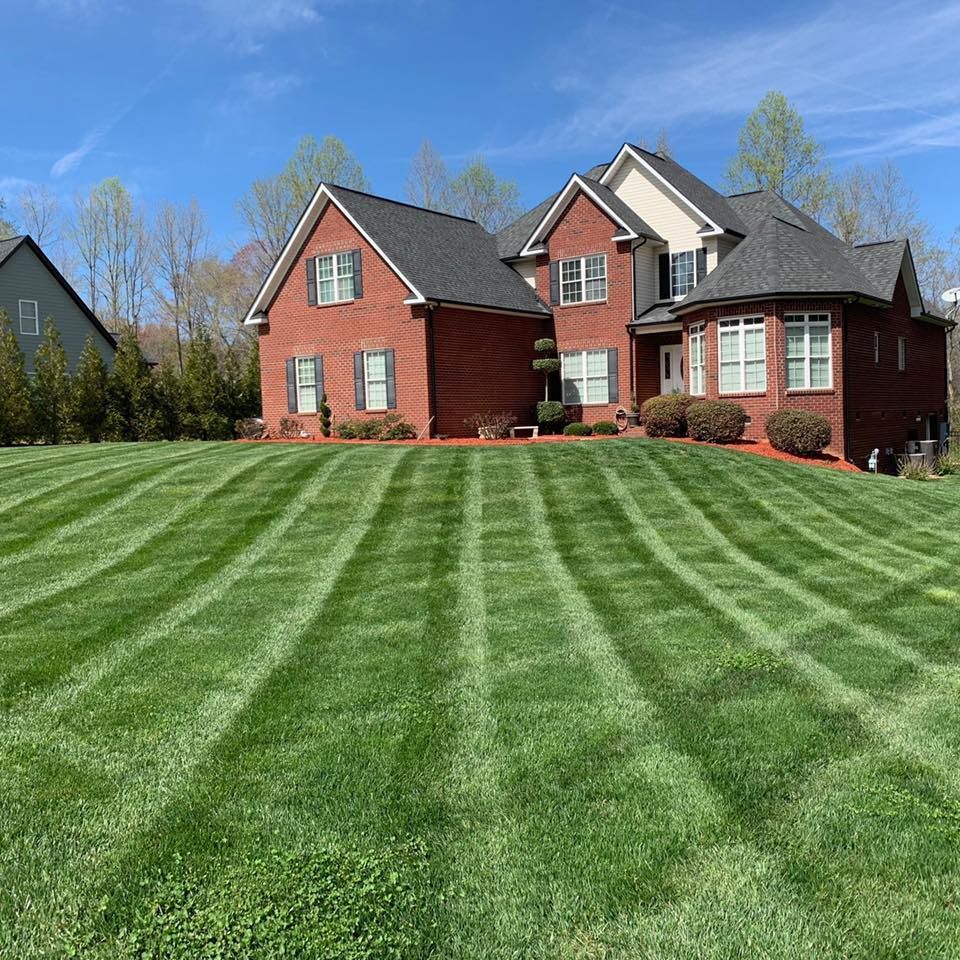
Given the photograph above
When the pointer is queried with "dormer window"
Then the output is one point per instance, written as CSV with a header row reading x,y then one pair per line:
x,y
583,279
683,275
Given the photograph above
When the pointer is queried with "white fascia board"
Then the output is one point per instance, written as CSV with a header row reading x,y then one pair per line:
x,y
307,220
533,245
627,151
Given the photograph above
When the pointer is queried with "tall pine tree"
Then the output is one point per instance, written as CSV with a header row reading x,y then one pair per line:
x,y
130,399
51,387
88,408
15,407
203,396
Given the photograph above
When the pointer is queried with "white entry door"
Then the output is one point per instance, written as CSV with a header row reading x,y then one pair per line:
x,y
671,368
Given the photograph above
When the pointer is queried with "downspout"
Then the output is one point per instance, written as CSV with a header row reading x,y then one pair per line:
x,y
630,334
845,399
431,368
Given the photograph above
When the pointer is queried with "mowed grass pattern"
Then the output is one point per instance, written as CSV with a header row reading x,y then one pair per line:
x,y
632,699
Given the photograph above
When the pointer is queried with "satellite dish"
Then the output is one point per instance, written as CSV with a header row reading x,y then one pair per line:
x,y
951,296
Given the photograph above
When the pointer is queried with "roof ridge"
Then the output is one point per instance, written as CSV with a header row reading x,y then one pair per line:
x,y
400,203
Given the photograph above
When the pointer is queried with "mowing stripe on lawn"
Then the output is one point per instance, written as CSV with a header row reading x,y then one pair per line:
x,y
93,672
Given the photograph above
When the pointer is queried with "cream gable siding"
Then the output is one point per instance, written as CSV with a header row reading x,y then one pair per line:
x,y
645,275
724,246
527,269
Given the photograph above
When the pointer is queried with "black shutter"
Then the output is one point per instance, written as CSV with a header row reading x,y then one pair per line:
x,y
291,386
357,276
318,375
391,381
555,281
701,263
613,380
664,264
311,281
358,381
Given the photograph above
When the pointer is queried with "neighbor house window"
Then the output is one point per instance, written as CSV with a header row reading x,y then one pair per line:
x,y
306,385
683,273
876,347
901,353
585,377
742,354
335,277
808,351
584,279
698,366
375,379
29,318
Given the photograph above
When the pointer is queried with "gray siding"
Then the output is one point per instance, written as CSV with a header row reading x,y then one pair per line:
x,y
24,277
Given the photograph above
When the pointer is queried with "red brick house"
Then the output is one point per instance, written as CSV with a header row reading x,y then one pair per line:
x,y
649,281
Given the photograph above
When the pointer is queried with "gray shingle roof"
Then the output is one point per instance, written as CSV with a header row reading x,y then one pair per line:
x,y
510,239
8,246
881,263
446,258
660,313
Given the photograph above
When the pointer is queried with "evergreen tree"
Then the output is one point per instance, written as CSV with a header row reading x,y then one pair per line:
x,y
251,382
15,408
203,395
324,411
130,398
51,387
234,398
167,402
88,407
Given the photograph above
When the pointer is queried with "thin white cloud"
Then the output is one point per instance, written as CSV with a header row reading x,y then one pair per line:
x,y
70,161
245,25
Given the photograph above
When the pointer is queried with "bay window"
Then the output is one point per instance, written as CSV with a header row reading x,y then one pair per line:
x,y
742,354
698,366
808,351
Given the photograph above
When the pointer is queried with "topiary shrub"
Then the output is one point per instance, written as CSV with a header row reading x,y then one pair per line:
x,y
606,428
799,432
324,415
550,413
666,415
577,430
716,421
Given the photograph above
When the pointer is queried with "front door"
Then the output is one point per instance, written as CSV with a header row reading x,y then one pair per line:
x,y
671,368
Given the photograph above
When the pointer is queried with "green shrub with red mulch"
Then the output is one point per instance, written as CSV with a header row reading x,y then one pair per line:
x,y
799,432
666,415
716,421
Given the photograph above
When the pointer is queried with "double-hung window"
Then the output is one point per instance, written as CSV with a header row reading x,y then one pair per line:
x,y
683,272
29,318
335,277
585,376
583,279
808,351
698,366
742,355
901,353
306,385
375,379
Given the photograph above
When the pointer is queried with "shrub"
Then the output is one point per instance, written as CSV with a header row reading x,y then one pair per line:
x,y
290,429
324,418
606,428
577,430
716,421
799,432
544,345
392,426
948,463
249,429
550,412
666,415
490,425
912,470
547,364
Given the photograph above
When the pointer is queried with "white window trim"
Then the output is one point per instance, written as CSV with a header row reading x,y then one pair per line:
x,y
680,253
35,332
336,277
583,280
742,354
698,332
367,380
804,320
901,353
583,378
316,398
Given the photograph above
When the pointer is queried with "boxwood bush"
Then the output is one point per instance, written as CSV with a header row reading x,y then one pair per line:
x,y
799,432
550,413
577,430
605,428
716,421
666,415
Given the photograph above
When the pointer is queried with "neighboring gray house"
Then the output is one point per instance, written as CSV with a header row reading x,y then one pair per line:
x,y
33,289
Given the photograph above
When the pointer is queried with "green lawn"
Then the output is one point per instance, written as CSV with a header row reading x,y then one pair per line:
x,y
615,699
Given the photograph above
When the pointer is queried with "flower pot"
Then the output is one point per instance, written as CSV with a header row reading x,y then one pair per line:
x,y
633,419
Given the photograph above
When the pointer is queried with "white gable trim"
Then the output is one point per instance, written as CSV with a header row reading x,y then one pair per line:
x,y
308,219
909,272
575,183
626,151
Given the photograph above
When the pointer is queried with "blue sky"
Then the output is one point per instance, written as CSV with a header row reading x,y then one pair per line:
x,y
186,98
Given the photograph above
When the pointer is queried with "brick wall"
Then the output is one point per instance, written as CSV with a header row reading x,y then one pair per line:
x,y
583,230
646,352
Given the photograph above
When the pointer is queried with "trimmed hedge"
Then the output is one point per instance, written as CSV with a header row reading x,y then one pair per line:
x,y
392,426
577,430
798,431
550,412
666,415
716,421
605,428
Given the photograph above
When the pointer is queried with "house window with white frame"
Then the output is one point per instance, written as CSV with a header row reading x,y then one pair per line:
x,y
585,377
306,385
683,272
742,354
901,353
375,379
583,279
808,351
335,277
698,366
29,318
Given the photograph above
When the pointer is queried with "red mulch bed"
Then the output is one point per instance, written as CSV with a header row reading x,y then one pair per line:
x,y
759,447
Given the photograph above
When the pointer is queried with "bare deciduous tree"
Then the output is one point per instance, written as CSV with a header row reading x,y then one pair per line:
x,y
480,195
40,215
428,182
